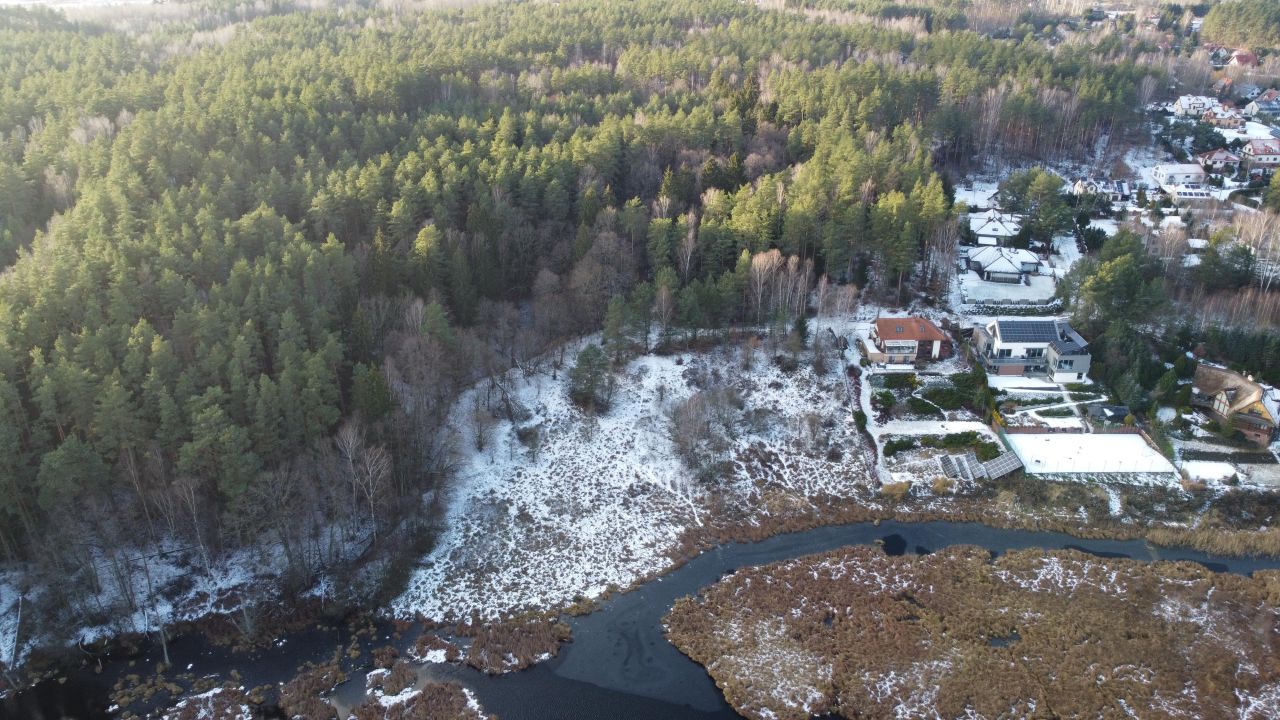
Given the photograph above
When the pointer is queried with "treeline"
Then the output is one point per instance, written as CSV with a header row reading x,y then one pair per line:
x,y
1253,24
253,274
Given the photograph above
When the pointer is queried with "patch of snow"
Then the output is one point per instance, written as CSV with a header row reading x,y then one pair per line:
x,y
1208,470
211,705
1054,574
435,655
976,291
977,193
604,501
1110,226
1018,383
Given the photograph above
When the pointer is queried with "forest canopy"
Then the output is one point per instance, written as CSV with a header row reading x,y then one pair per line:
x,y
1244,23
253,263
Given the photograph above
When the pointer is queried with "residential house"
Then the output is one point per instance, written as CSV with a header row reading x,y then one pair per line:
x,y
1236,399
1261,157
994,227
1115,191
1108,413
1170,175
1194,106
1223,117
904,340
1268,103
1000,264
1220,161
1244,59
1032,346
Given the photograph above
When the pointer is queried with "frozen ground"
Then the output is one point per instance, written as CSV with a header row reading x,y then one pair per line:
x,y
604,501
1251,131
182,590
1110,226
1066,253
977,193
1208,470
1019,384
1087,453
975,290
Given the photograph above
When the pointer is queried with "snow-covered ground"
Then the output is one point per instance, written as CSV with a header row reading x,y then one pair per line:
x,y
217,704
1087,453
601,503
604,501
1066,253
182,589
975,290
1020,384
1208,470
1110,226
1251,131
977,193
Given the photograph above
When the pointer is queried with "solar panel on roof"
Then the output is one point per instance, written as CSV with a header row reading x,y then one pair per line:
x,y
1028,330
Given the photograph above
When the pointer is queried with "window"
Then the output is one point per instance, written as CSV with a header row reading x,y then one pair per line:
x,y
1066,364
1035,352
1004,353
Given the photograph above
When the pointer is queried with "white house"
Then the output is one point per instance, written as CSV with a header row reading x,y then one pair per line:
x,y
1184,174
1261,156
1219,161
993,227
1113,190
1267,102
1032,346
1000,264
1194,106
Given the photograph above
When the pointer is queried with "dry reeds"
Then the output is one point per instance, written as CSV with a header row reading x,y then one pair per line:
x,y
861,634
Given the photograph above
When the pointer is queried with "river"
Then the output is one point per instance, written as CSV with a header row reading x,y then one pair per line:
x,y
619,666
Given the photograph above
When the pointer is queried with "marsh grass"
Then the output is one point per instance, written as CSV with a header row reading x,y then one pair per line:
x,y
1058,634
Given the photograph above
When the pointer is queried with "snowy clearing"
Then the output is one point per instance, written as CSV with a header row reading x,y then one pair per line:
x,y
600,502
975,290
977,194
1208,470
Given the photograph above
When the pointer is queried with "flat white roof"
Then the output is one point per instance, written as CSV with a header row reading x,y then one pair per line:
x,y
1181,168
1044,453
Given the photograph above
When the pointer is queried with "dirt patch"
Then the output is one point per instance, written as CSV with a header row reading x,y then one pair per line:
x,y
861,634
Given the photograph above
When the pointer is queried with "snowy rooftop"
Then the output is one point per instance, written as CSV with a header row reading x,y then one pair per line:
x,y
1088,453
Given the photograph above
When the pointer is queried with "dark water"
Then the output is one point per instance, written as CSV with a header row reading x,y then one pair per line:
x,y
619,666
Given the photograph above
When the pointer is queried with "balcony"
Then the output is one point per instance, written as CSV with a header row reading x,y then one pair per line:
x,y
990,360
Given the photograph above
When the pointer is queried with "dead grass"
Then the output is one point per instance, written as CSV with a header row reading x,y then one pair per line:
x,y
514,644
427,642
1076,635
301,696
435,701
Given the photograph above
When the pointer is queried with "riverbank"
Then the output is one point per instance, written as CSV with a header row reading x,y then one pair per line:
x,y
618,657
